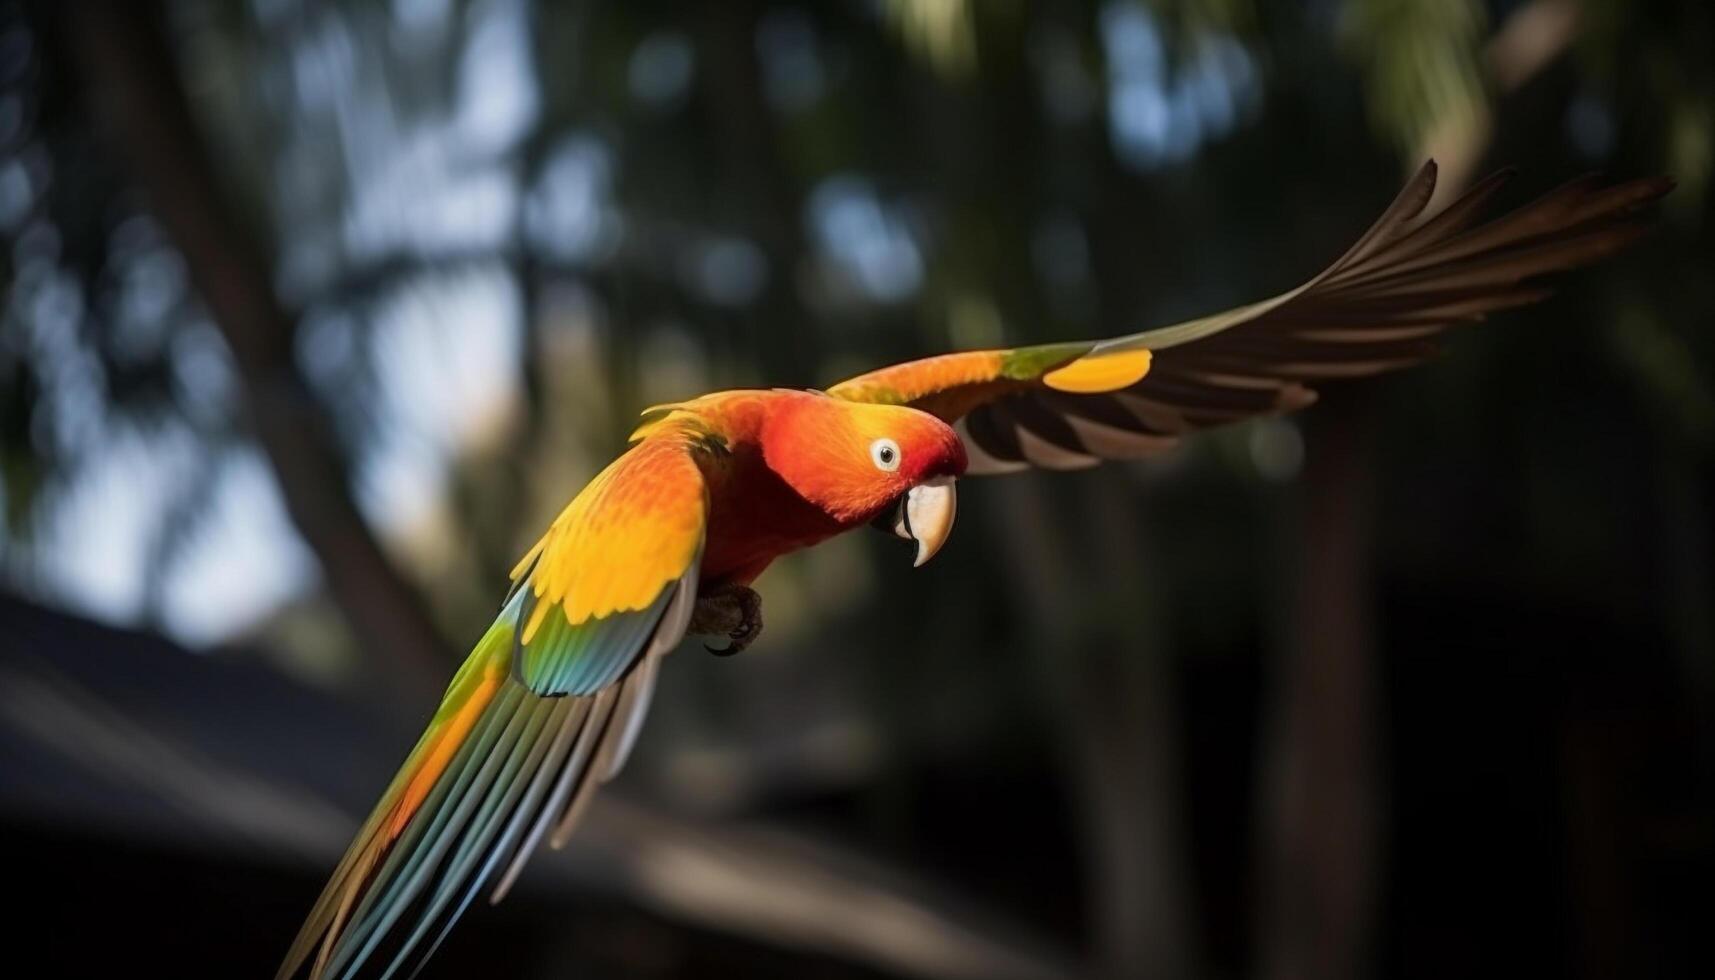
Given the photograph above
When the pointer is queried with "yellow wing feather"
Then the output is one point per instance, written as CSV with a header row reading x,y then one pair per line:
x,y
646,510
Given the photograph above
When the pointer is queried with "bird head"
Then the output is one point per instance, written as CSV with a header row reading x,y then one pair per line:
x,y
869,464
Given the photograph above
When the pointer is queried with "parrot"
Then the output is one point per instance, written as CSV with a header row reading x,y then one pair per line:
x,y
668,539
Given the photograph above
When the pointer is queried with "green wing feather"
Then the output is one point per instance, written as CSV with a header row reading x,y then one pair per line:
x,y
531,724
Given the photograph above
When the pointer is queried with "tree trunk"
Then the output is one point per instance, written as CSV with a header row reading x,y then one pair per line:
x,y
1321,800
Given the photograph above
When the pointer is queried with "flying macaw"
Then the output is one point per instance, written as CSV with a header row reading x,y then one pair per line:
x,y
668,538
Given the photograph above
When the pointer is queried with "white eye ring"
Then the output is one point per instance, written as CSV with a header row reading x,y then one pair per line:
x,y
884,453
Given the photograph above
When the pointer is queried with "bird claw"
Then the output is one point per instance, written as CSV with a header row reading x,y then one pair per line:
x,y
733,611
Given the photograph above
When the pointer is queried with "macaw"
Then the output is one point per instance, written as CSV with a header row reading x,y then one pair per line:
x,y
668,538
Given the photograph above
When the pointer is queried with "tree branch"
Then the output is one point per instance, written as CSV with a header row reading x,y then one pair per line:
x,y
166,772
129,75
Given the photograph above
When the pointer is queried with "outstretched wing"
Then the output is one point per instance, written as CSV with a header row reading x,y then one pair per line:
x,y
545,708
1379,307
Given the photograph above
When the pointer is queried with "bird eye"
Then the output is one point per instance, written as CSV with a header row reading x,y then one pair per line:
x,y
884,453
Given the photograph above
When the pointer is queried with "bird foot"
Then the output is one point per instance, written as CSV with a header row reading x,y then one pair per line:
x,y
733,611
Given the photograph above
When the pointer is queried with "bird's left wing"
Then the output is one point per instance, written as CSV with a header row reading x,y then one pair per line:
x,y
544,709
1379,307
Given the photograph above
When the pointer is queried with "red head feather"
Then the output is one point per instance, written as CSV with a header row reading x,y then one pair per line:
x,y
852,460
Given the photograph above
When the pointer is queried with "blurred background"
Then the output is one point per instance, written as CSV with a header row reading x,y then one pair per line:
x,y
314,314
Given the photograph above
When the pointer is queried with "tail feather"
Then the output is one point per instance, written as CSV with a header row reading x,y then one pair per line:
x,y
422,850
505,785
470,691
544,766
498,766
571,776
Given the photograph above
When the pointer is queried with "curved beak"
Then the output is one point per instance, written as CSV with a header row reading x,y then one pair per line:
x,y
926,516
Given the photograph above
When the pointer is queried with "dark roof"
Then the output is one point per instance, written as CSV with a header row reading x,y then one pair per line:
x,y
125,733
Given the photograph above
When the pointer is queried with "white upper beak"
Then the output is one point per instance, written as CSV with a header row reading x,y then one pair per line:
x,y
927,516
